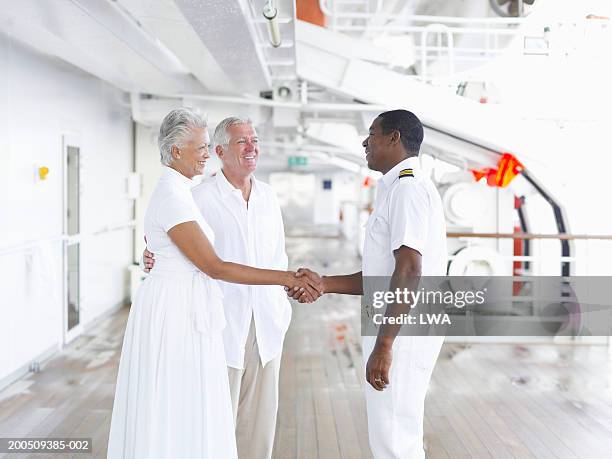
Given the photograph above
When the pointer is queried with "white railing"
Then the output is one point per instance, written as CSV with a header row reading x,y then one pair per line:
x,y
440,30
69,239
30,245
471,41
361,19
335,9
339,9
493,33
583,262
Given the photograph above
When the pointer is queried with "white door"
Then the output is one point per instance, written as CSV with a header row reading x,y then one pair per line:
x,y
72,259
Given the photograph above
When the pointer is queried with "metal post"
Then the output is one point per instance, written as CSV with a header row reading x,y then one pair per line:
x,y
335,16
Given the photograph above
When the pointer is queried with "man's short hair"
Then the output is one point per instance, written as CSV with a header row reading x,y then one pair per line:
x,y
221,136
407,124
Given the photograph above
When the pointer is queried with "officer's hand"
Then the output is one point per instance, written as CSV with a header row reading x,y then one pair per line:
x,y
148,259
378,366
314,281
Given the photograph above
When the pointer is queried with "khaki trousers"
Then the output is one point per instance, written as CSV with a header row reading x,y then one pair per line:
x,y
254,392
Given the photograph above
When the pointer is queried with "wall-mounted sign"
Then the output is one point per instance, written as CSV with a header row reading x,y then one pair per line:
x,y
297,161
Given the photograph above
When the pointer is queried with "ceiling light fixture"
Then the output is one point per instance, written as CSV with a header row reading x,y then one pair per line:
x,y
270,12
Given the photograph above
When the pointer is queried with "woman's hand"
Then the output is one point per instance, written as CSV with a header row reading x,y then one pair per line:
x,y
304,288
313,279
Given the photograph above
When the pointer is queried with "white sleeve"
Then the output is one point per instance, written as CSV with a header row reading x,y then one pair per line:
x,y
176,209
409,217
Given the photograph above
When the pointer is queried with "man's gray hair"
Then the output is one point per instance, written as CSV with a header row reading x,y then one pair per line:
x,y
175,129
221,136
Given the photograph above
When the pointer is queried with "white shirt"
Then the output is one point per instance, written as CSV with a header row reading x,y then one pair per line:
x,y
407,211
252,235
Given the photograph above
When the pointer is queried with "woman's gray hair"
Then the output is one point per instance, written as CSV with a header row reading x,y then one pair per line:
x,y
221,136
175,128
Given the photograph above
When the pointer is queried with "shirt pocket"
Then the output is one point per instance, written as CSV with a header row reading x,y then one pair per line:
x,y
377,232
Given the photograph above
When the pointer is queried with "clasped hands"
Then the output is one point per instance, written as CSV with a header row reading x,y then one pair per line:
x,y
305,285
309,286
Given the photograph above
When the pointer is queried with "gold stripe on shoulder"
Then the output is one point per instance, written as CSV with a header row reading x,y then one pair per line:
x,y
406,173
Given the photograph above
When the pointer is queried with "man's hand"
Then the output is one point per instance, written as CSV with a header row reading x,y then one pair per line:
x,y
378,366
303,288
314,280
148,259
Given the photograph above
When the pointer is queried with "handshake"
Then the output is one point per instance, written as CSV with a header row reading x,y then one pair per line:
x,y
304,285
309,286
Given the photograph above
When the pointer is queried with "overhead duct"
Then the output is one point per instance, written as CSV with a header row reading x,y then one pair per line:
x,y
211,21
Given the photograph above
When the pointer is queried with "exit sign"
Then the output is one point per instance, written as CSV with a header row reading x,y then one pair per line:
x,y
297,161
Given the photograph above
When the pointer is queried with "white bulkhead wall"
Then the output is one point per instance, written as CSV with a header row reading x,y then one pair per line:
x,y
43,99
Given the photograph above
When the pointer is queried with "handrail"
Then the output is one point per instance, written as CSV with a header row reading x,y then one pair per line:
x,y
564,237
323,5
328,12
29,245
25,246
399,28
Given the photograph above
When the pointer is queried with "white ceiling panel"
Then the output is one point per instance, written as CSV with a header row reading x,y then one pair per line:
x,y
95,43
164,19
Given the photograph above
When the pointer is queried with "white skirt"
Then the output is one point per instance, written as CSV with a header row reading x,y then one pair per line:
x,y
172,398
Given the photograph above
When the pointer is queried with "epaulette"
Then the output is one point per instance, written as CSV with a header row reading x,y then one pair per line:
x,y
406,173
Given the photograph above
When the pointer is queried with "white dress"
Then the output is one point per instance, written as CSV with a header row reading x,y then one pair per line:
x,y
172,398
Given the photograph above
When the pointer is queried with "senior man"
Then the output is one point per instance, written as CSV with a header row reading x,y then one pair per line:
x,y
245,216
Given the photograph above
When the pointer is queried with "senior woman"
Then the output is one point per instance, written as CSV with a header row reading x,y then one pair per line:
x,y
172,398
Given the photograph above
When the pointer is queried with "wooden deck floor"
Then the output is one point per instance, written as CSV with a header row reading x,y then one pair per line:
x,y
538,401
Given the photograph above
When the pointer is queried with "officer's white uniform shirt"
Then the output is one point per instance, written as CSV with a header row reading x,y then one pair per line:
x,y
407,211
251,235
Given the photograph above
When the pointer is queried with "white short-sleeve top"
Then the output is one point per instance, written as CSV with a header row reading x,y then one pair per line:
x,y
407,212
171,203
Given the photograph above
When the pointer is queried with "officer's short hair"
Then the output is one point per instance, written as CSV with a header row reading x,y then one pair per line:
x,y
407,124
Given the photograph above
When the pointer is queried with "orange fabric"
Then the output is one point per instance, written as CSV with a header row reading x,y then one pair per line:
x,y
508,167
309,11
487,172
